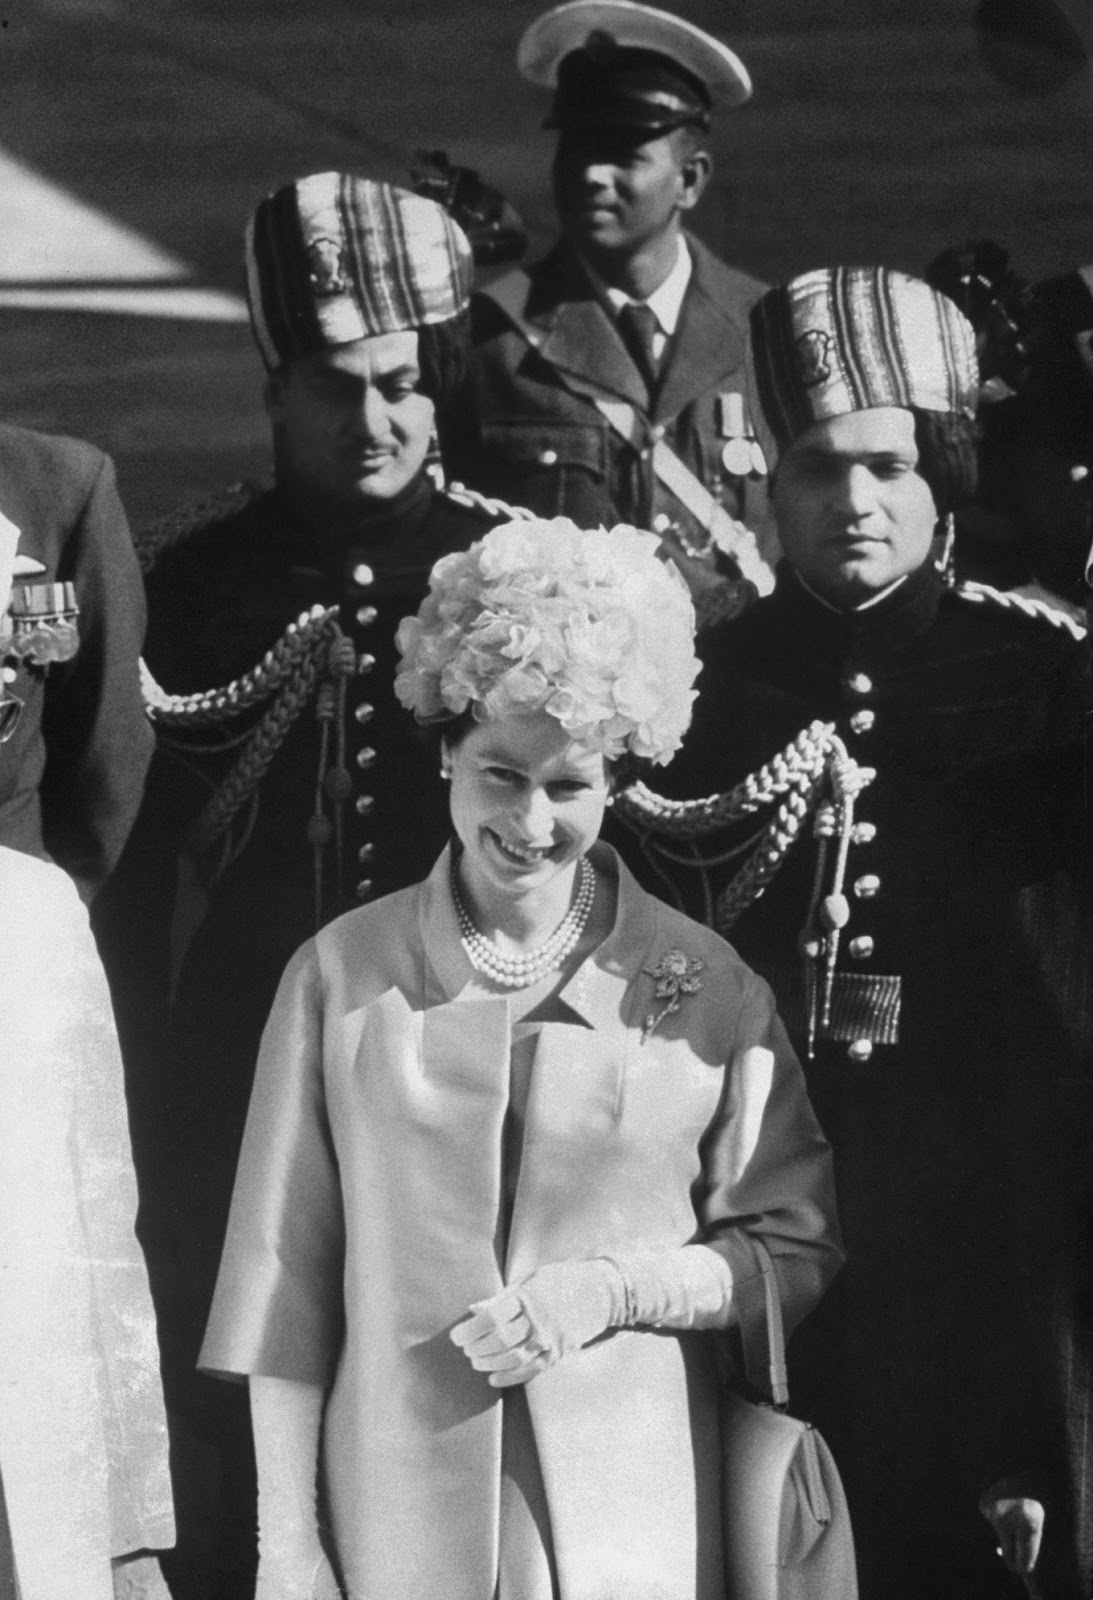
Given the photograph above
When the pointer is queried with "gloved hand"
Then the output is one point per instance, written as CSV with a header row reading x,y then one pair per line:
x,y
524,1330
564,1306
1018,1523
302,1574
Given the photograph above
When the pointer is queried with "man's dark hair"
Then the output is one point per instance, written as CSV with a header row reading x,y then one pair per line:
x,y
442,357
947,457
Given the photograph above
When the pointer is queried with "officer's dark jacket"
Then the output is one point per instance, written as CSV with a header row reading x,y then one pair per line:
x,y
527,428
221,598
960,1149
72,772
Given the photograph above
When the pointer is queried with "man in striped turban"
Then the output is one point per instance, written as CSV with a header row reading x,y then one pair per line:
x,y
928,943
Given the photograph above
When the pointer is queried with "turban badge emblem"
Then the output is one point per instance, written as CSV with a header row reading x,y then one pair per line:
x,y
813,352
326,267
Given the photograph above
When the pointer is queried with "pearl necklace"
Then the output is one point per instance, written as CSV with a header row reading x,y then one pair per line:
x,y
519,972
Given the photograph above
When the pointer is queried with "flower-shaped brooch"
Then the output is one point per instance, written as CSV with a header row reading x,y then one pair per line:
x,y
675,975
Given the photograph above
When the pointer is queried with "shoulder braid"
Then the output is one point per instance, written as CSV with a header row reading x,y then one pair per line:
x,y
312,661
471,500
178,526
1057,616
814,774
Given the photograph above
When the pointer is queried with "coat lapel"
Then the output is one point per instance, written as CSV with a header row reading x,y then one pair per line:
x,y
579,338
708,344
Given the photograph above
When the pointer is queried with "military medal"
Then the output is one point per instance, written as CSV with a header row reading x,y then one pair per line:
x,y
43,622
736,458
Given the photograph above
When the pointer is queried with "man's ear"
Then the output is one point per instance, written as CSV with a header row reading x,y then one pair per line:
x,y
694,174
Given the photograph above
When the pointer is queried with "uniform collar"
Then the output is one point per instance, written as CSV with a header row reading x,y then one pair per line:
x,y
894,619
328,529
596,992
665,302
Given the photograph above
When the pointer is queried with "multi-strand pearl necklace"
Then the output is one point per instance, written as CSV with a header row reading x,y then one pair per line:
x,y
519,972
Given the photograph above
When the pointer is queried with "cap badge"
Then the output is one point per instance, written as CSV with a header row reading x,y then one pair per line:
x,y
326,266
813,351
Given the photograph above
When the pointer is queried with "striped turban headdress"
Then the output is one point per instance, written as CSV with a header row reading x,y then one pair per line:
x,y
845,339
333,258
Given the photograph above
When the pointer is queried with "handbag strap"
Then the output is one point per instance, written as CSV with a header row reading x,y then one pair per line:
x,y
776,1336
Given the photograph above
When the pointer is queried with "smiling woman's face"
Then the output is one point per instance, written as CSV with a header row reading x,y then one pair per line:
x,y
526,802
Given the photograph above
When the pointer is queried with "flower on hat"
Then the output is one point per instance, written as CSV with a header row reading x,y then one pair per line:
x,y
589,626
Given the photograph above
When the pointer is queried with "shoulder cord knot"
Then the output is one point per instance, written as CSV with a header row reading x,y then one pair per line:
x,y
814,773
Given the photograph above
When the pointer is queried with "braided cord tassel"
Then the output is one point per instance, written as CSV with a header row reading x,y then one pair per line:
x,y
311,634
265,741
799,764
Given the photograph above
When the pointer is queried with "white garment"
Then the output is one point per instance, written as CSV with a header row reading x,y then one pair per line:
x,y
83,1436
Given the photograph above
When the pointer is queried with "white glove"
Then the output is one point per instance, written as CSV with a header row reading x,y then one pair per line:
x,y
523,1330
304,1575
1018,1523
287,1420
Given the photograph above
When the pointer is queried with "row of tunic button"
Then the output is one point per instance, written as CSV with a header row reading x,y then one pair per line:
x,y
866,887
365,758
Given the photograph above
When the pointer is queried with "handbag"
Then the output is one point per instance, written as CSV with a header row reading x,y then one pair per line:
x,y
785,1520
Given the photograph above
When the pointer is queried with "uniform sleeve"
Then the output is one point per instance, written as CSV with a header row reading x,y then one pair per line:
x,y
768,1173
277,1311
97,737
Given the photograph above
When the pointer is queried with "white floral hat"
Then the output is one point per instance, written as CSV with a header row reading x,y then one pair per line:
x,y
591,627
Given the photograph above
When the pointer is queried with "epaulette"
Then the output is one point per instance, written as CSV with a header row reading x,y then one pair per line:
x,y
178,526
1054,613
471,500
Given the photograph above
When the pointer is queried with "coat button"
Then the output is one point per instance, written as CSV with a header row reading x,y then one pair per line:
x,y
863,833
861,947
859,683
366,758
364,712
867,886
363,574
862,721
365,854
366,615
861,1050
548,458
364,888
363,804
365,663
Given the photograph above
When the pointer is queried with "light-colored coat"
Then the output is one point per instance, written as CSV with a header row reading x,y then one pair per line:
x,y
366,1218
83,1437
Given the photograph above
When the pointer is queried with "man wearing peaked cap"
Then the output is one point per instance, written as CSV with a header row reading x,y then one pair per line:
x,y
922,945
263,822
606,382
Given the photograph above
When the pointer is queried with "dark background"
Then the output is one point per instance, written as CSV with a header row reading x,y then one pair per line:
x,y
877,132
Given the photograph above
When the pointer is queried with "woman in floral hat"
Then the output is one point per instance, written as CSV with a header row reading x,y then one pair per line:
x,y
512,1133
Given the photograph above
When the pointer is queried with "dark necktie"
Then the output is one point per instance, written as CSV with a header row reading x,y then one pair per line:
x,y
638,326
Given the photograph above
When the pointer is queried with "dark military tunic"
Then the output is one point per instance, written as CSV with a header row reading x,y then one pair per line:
x,y
73,770
219,930
959,1150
